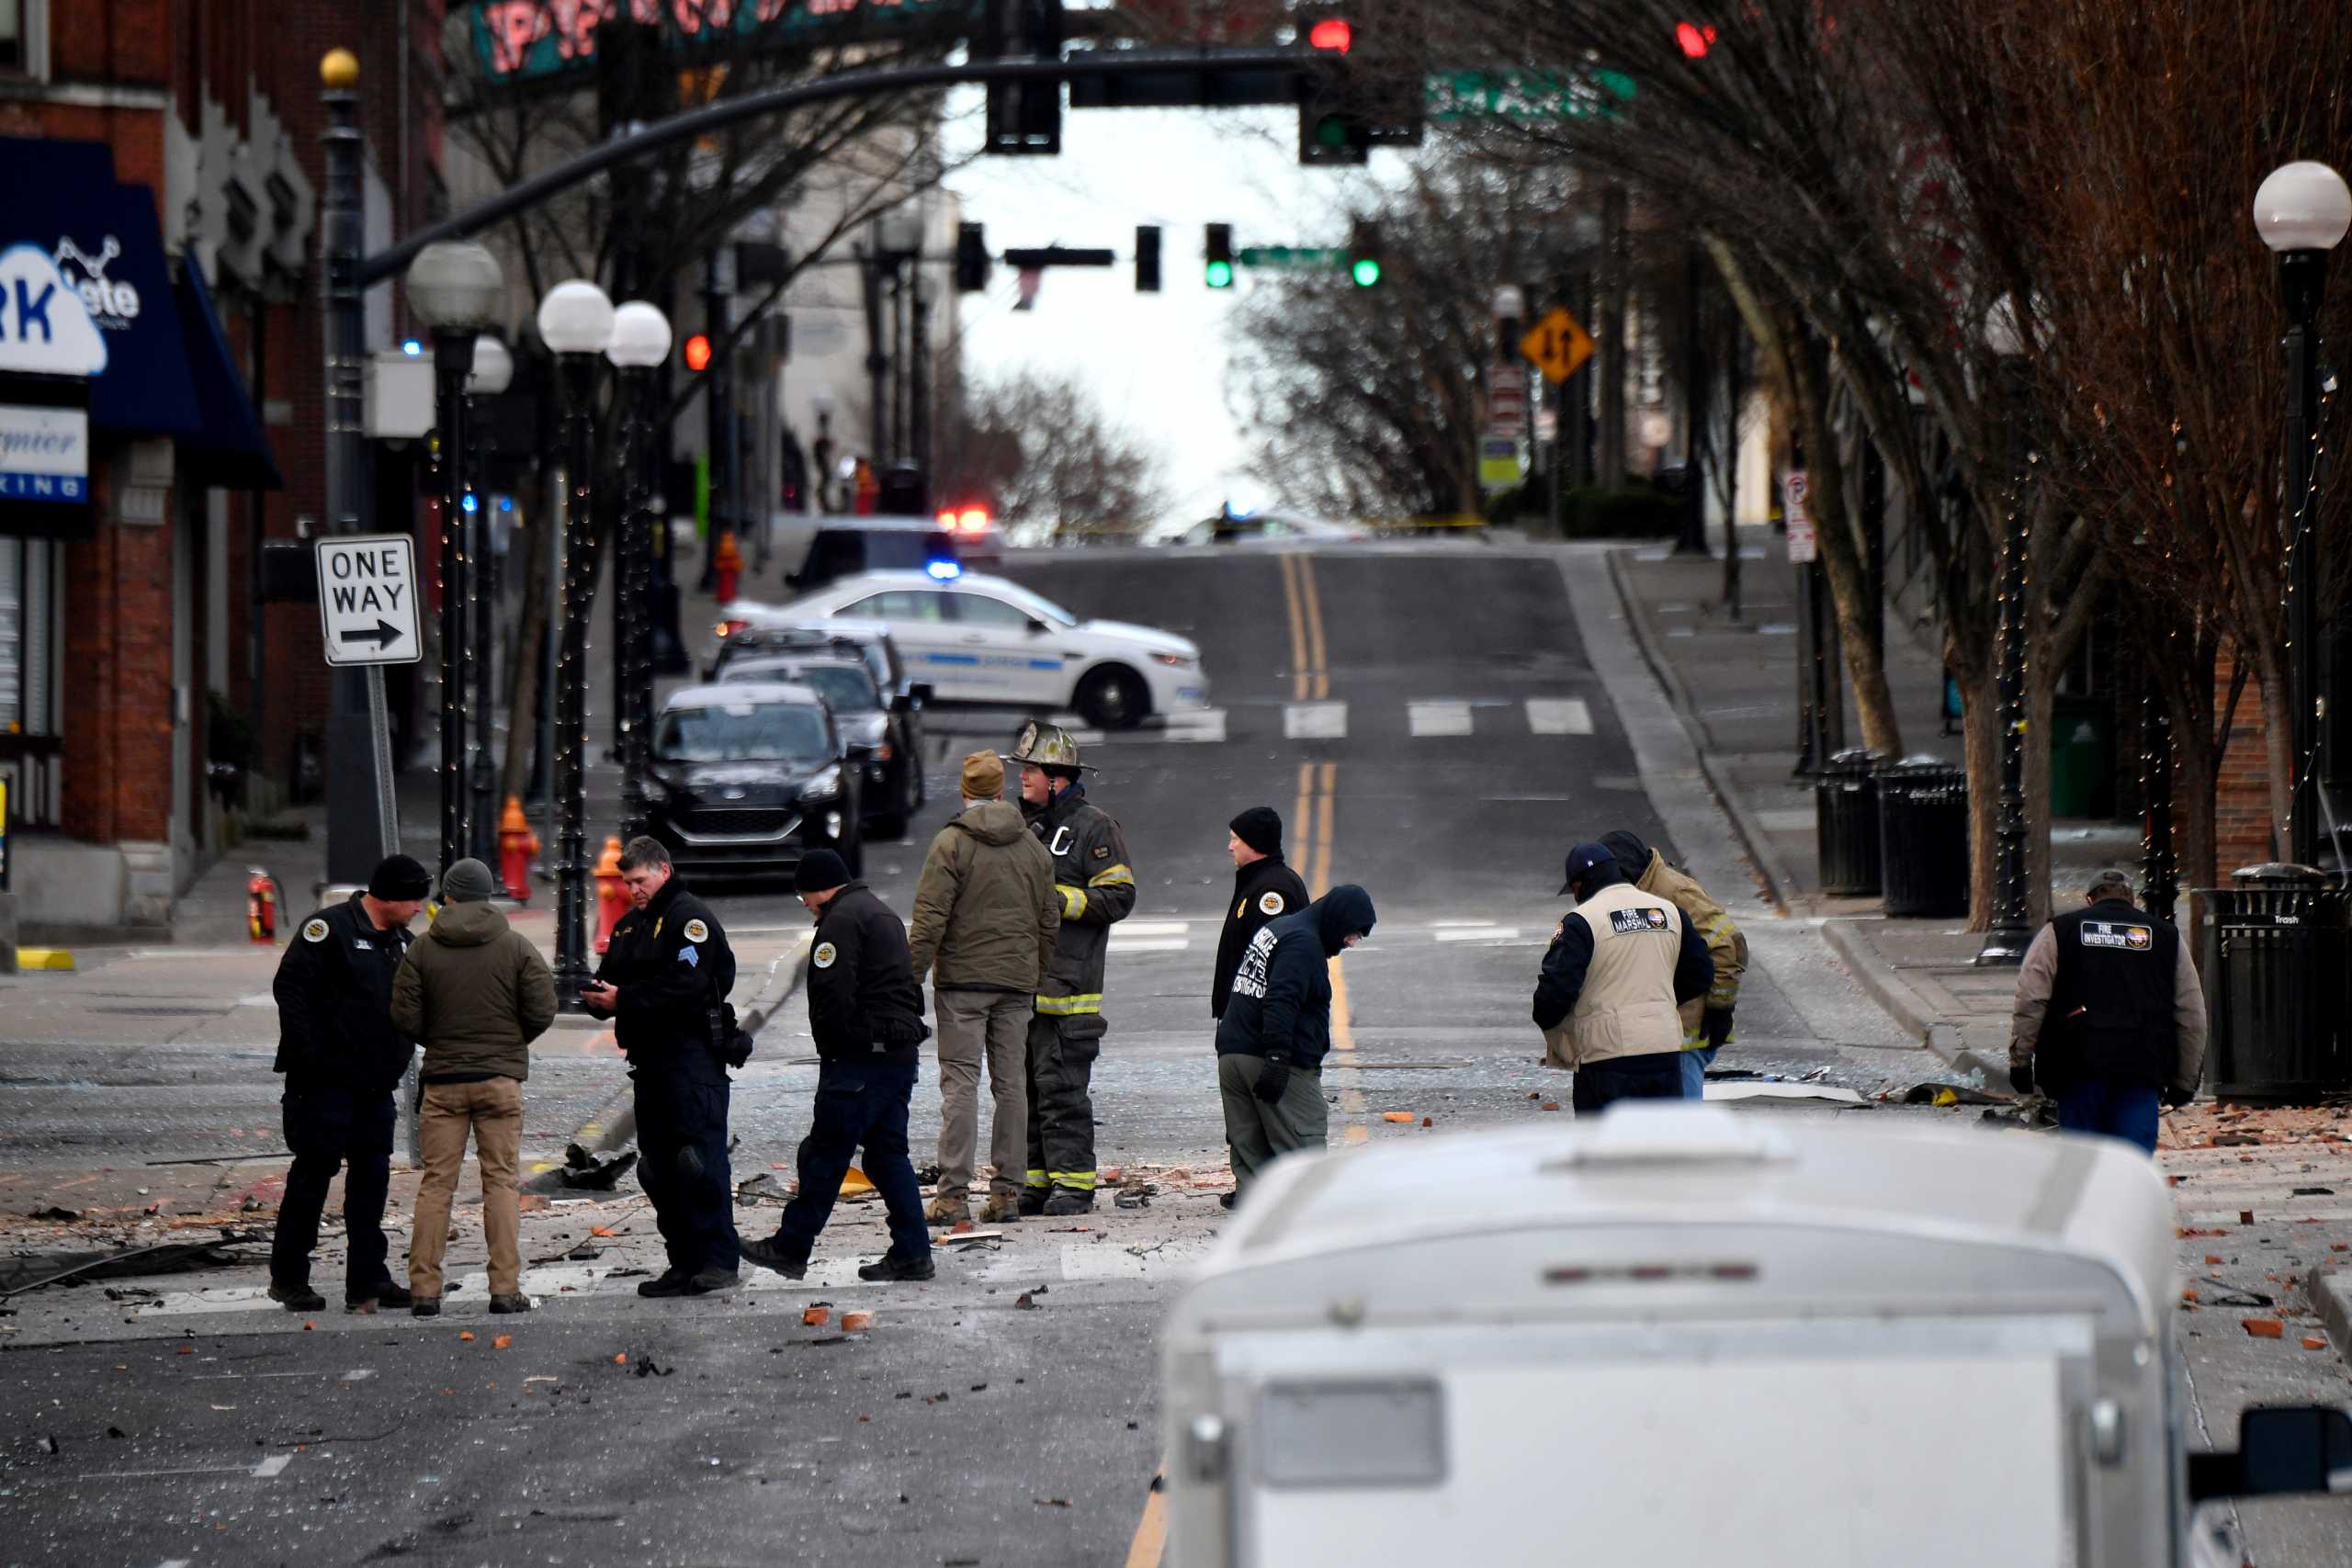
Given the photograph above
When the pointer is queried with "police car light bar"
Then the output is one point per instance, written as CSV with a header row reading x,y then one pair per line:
x,y
945,571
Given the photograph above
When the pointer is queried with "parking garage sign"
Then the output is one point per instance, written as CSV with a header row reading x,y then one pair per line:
x,y
368,599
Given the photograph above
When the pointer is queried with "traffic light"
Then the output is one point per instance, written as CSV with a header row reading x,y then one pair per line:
x,y
1364,256
971,258
1696,38
695,352
1024,117
1219,272
1378,97
1146,258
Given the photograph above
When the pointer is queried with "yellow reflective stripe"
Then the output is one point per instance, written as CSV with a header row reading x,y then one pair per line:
x,y
1114,877
1064,1006
1076,1180
1036,1178
1073,900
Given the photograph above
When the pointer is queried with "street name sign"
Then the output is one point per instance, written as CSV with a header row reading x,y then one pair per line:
x,y
367,611
1557,344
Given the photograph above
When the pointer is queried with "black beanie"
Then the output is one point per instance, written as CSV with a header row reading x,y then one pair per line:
x,y
1260,828
398,879
820,871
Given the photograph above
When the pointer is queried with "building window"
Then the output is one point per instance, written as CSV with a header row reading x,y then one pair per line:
x,y
11,35
31,586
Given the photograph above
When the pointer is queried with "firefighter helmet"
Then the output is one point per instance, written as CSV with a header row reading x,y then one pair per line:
x,y
1046,746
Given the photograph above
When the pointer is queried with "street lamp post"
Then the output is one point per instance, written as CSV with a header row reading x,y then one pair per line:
x,y
575,322
493,370
641,342
2007,941
2301,212
453,286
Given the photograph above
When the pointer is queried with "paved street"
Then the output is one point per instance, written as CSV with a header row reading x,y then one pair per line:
x,y
1437,723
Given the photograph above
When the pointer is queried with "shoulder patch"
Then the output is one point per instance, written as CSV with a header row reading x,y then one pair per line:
x,y
1561,929
314,930
1101,852
824,955
1271,904
657,928
1242,908
696,931
1627,922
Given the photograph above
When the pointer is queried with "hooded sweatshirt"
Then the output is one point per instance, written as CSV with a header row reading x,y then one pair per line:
x,y
475,993
985,910
1647,869
1279,1008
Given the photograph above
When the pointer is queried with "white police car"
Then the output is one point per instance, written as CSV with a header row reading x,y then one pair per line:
x,y
976,639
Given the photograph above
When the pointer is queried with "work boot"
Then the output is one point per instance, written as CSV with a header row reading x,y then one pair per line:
x,y
1227,1200
892,1269
425,1306
769,1253
710,1281
1002,1209
516,1303
298,1298
387,1295
1068,1200
945,1211
1033,1200
672,1283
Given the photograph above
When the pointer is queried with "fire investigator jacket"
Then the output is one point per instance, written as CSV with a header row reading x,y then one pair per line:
x,y
1281,1005
334,1003
1098,890
2109,992
1725,944
986,909
1617,973
1263,890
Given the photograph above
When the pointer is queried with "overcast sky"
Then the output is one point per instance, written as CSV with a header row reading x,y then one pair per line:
x,y
1158,363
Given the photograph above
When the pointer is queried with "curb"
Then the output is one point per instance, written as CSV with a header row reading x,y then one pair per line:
x,y
2331,1297
1939,1032
1776,877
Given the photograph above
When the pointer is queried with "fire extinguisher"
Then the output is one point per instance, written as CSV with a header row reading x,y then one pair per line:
x,y
261,905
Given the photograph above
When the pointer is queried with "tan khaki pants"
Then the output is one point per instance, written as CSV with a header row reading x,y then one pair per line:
x,y
493,1111
973,1024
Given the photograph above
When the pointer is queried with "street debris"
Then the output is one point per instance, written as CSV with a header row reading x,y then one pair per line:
x,y
857,1322
648,1367
1023,1303
815,1317
1762,1090
761,1189
1133,1197
54,1213
1948,1094
584,1172
18,1275
1402,1116
992,1241
2312,1342
501,1342
2264,1328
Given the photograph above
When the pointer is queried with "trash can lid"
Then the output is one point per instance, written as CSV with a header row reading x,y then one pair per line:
x,y
2279,872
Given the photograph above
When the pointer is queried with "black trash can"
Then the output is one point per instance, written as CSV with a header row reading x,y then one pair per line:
x,y
1845,804
2275,952
1923,837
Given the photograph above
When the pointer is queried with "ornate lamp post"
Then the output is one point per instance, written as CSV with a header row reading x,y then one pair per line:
x,y
641,342
493,370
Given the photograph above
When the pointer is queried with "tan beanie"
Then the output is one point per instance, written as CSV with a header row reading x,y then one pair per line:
x,y
983,777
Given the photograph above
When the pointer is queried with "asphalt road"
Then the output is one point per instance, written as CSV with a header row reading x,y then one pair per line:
x,y
1428,725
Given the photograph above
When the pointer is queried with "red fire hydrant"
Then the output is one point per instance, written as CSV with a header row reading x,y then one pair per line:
x,y
516,845
729,563
612,894
261,905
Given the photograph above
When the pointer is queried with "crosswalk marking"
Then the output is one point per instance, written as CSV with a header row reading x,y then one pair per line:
x,y
1438,719
1478,933
1197,725
1150,944
1315,721
1150,928
1559,715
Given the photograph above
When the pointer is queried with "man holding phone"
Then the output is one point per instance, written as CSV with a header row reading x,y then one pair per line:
x,y
667,966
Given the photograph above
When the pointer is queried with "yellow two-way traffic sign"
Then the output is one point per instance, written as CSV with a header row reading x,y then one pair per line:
x,y
1557,344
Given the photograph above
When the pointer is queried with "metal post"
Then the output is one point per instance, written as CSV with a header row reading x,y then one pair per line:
x,y
633,581
453,358
482,609
2303,276
919,374
1730,465
571,972
1694,541
361,826
718,406
877,362
2007,941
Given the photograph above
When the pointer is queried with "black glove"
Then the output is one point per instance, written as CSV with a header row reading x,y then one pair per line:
x,y
2021,1078
1714,1025
2176,1097
1272,1078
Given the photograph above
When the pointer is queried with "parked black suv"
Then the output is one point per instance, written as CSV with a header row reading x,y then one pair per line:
x,y
747,778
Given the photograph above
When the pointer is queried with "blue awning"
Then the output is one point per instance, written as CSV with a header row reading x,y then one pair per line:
x,y
231,451
63,198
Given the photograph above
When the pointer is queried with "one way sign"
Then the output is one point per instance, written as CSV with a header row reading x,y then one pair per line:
x,y
368,599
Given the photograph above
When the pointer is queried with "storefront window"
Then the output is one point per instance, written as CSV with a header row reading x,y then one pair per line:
x,y
30,592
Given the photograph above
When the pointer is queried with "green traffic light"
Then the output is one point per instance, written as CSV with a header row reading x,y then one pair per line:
x,y
1220,274
1366,271
1331,131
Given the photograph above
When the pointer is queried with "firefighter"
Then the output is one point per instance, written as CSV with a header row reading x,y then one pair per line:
x,y
665,974
1097,888
1706,1020
1264,888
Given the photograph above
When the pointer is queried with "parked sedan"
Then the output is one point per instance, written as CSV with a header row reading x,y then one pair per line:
x,y
986,639
746,779
878,738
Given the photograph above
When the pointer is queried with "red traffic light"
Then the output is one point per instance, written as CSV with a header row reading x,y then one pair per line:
x,y
1334,33
697,353
1695,40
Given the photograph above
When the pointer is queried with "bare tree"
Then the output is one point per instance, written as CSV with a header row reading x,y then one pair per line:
x,y
1041,446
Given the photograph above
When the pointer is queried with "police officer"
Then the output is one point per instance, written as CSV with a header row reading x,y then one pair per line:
x,y
666,968
2108,1015
1616,974
342,1058
1098,890
1264,888
866,1010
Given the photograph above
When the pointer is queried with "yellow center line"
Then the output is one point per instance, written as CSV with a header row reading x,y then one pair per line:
x,y
1314,599
1298,671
